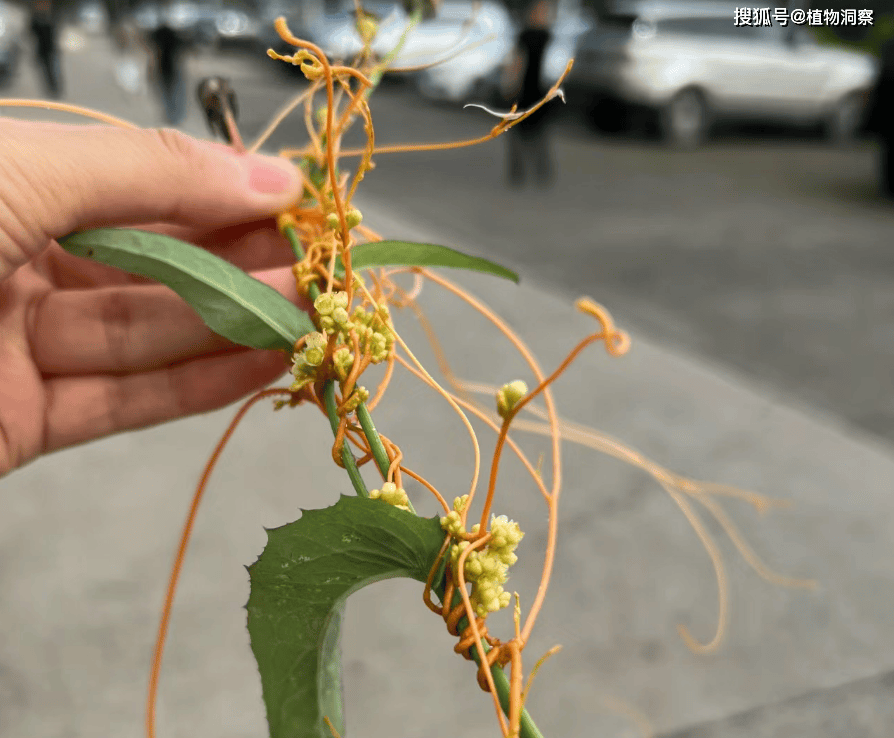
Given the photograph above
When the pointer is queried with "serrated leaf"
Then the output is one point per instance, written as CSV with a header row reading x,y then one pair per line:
x,y
405,253
298,588
232,303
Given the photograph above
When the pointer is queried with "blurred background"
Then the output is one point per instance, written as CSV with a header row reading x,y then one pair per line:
x,y
724,188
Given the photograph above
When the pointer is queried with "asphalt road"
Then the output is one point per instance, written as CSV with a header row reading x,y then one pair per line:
x,y
771,255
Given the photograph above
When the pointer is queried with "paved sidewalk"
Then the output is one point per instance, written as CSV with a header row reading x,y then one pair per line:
x,y
87,536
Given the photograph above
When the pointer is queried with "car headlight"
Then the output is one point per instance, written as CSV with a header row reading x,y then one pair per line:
x,y
232,24
643,30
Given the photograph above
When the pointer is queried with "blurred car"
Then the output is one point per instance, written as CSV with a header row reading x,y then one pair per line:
x,y
691,64
10,48
465,80
237,26
457,23
489,32
565,34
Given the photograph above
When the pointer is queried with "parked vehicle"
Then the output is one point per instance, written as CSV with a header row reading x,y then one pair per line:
x,y
489,33
234,25
691,64
472,79
488,28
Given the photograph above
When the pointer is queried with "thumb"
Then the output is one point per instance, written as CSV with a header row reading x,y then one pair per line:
x,y
55,179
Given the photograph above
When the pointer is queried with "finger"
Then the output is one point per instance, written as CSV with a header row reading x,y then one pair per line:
x,y
84,408
55,179
125,328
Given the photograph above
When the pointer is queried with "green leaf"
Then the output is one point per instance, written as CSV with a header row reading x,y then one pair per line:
x,y
298,588
404,253
231,302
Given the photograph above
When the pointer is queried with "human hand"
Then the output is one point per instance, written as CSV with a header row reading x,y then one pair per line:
x,y
87,350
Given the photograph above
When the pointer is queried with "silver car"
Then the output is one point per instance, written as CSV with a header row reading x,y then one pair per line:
x,y
692,64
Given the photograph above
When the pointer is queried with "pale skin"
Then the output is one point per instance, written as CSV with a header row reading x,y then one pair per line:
x,y
87,350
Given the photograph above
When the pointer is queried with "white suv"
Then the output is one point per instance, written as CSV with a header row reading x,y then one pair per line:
x,y
692,64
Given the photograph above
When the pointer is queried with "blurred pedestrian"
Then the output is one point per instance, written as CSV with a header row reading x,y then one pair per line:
x,y
883,117
44,28
527,142
167,68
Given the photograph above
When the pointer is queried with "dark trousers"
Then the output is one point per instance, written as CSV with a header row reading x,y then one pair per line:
x,y
886,173
52,73
529,151
173,94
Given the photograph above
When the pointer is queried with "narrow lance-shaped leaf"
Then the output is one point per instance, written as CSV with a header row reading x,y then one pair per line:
x,y
298,588
232,303
405,253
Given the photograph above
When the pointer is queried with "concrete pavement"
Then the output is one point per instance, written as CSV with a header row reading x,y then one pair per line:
x,y
87,535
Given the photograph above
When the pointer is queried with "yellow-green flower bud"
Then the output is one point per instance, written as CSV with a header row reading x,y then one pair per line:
x,y
300,383
315,340
394,495
473,566
459,503
354,218
509,395
342,360
367,27
361,394
314,356
340,316
324,304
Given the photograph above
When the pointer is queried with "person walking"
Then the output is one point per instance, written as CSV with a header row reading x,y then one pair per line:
x,y
883,115
527,142
168,75
46,45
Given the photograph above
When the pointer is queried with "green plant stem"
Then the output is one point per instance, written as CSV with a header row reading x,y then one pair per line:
x,y
366,421
528,729
375,443
347,457
372,435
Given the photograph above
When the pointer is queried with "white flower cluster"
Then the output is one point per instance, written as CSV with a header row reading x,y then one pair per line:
x,y
374,333
392,494
487,568
332,307
375,337
306,361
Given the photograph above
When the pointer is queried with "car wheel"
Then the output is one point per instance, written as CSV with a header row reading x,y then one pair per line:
x,y
606,115
685,119
843,123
